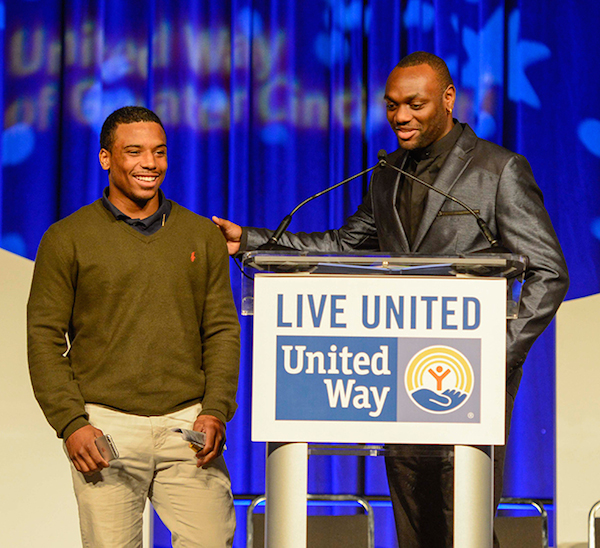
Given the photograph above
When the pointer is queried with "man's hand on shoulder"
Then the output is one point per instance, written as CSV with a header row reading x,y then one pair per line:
x,y
215,438
232,233
81,446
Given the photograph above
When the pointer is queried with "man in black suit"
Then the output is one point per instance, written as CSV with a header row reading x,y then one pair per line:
x,y
402,216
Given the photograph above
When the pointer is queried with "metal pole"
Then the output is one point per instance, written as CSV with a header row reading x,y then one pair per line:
x,y
473,496
286,491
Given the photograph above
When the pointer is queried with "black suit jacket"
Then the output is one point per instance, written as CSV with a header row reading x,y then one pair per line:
x,y
495,182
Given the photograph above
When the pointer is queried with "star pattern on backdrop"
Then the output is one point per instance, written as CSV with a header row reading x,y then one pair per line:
x,y
522,54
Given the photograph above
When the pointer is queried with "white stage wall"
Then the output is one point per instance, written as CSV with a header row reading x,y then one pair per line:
x,y
577,418
37,505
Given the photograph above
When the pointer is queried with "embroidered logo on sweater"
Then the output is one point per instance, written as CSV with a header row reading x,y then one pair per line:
x,y
193,256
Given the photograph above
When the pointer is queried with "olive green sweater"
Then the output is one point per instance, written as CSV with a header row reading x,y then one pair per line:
x,y
151,319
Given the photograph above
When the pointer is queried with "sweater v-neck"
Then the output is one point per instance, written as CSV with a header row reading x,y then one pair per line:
x,y
148,239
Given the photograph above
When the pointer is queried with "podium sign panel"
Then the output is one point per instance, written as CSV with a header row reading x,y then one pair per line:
x,y
379,359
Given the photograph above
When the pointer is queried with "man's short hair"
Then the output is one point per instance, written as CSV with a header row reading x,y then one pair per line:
x,y
124,115
436,63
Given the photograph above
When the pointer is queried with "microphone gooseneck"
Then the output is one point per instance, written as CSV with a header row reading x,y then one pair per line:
x,y
495,243
272,242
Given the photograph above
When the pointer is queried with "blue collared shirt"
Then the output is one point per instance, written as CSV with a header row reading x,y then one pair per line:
x,y
146,226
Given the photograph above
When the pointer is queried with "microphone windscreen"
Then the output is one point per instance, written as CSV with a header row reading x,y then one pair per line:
x,y
382,155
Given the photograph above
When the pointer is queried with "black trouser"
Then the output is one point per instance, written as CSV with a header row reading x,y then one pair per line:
x,y
422,491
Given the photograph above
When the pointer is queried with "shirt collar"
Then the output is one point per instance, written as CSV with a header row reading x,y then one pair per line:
x,y
164,208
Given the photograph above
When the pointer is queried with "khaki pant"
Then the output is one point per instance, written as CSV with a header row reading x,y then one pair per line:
x,y
196,504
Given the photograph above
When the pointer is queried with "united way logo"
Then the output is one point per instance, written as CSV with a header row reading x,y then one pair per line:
x,y
439,379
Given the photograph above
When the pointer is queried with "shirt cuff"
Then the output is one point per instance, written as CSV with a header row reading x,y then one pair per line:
x,y
76,424
214,413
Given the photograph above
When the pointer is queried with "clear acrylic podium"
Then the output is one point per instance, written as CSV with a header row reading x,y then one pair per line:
x,y
354,354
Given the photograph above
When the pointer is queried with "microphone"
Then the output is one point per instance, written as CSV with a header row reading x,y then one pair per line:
x,y
272,245
495,243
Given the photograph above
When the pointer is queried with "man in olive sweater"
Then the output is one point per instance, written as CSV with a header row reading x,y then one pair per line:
x,y
132,331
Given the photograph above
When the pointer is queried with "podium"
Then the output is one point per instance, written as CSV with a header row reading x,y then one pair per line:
x,y
368,350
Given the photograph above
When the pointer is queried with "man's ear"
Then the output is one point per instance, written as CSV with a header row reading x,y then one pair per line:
x,y
104,157
449,98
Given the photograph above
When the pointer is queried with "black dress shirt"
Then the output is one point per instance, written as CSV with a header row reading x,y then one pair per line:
x,y
424,163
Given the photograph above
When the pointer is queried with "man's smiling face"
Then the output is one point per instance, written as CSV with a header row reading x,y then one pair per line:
x,y
418,109
136,164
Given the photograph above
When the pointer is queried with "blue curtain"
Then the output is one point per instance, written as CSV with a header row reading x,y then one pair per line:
x,y
266,102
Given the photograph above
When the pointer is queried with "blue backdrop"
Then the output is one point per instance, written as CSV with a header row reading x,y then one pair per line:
x,y
268,101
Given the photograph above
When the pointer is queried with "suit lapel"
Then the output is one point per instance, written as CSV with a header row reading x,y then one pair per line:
x,y
458,160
